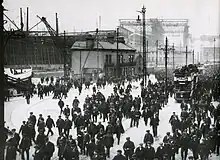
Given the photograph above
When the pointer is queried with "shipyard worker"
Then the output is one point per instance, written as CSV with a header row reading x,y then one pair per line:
x,y
28,97
94,89
80,88
67,126
140,152
75,102
91,148
61,105
11,150
154,123
137,116
108,141
60,125
118,130
25,146
160,152
148,137
48,149
24,130
167,138
66,111
128,148
33,118
119,156
50,124
149,152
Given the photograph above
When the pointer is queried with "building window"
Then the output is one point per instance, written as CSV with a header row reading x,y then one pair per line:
x,y
108,59
121,59
133,70
131,58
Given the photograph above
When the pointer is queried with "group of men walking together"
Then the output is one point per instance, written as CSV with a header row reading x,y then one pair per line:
x,y
95,139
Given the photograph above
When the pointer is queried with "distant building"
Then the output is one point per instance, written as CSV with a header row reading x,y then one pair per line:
x,y
207,54
154,60
89,58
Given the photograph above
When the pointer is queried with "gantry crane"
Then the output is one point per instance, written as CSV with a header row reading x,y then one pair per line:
x,y
60,43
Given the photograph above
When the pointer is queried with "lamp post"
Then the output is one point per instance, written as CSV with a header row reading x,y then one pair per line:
x,y
143,11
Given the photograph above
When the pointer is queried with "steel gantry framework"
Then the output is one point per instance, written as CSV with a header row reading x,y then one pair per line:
x,y
157,29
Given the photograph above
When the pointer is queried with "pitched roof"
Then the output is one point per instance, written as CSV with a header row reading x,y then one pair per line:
x,y
102,45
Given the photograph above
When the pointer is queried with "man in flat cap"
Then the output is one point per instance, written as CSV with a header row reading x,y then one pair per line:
x,y
149,151
119,156
128,148
140,152
148,137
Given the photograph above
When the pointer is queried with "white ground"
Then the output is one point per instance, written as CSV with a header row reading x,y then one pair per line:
x,y
17,110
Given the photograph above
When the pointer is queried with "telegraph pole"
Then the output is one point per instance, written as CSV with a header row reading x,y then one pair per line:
x,y
173,57
64,57
156,53
166,52
186,56
193,56
117,58
214,54
146,73
144,46
97,46
2,78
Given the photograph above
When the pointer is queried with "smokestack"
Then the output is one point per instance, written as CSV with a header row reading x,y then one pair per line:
x,y
57,26
21,18
27,27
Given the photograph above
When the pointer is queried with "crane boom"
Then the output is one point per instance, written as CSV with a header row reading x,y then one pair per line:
x,y
49,28
60,45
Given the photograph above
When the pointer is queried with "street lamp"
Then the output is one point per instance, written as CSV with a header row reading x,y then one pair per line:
x,y
143,11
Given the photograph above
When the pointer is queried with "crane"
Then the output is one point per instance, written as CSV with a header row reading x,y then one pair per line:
x,y
60,44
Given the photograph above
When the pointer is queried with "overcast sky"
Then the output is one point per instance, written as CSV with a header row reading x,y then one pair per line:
x,y
83,15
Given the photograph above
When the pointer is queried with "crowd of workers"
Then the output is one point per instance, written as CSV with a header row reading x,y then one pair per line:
x,y
196,129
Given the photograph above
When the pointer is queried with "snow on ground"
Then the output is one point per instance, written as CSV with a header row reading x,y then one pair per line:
x,y
17,110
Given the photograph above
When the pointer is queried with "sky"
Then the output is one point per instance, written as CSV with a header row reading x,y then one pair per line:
x,y
83,15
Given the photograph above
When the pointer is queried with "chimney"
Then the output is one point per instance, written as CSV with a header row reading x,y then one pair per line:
x,y
110,38
89,42
121,40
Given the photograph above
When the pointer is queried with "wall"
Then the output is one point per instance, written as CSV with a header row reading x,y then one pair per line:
x,y
79,57
91,63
